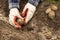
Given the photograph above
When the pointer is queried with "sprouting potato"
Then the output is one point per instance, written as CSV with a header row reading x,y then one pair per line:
x,y
20,21
51,14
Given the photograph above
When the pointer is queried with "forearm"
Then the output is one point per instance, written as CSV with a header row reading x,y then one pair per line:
x,y
13,3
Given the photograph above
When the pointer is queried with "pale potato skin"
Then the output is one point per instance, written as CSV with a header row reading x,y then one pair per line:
x,y
48,10
54,7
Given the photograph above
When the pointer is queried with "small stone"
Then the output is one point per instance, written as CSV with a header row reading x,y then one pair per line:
x,y
58,37
48,35
51,14
54,37
48,10
54,7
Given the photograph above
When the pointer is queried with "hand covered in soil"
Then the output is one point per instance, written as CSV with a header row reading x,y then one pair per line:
x,y
14,14
28,12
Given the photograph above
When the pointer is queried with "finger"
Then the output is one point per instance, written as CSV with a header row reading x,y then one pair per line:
x,y
19,15
24,14
18,26
16,23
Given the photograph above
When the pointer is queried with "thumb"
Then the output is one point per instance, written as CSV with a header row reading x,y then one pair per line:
x,y
24,14
17,25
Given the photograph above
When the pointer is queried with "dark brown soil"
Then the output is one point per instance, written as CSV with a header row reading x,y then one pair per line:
x,y
35,28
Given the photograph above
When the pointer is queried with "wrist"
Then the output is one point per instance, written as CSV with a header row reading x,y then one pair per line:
x,y
34,2
30,6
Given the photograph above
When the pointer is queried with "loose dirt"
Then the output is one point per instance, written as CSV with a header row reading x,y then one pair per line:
x,y
41,27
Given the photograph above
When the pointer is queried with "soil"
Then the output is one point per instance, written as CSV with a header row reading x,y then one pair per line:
x,y
36,29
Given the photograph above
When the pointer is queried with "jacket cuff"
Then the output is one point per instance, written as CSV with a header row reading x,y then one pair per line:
x,y
13,5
